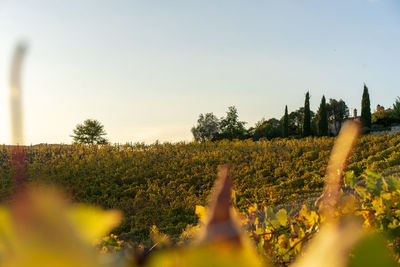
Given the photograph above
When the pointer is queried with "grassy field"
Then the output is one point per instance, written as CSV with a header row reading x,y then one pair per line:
x,y
160,184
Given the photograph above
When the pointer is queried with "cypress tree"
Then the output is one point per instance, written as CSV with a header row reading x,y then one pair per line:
x,y
322,118
366,109
286,123
307,116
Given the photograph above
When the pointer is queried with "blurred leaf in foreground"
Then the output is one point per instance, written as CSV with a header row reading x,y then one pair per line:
x,y
371,251
41,229
92,223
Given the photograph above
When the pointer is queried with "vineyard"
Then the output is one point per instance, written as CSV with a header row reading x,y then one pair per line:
x,y
161,184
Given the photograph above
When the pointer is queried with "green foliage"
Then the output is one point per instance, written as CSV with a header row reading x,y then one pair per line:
x,y
372,251
373,198
384,118
296,122
267,129
207,127
110,244
231,127
91,132
278,236
396,108
322,118
366,109
210,128
338,112
285,128
296,119
307,116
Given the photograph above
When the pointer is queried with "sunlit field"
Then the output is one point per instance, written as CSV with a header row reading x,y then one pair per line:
x,y
174,134
159,188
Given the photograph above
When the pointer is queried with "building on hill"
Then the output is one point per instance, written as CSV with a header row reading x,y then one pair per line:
x,y
334,129
384,121
355,117
394,128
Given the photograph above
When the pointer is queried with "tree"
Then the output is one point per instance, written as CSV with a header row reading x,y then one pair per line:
x,y
89,132
285,128
296,121
322,118
207,127
366,109
307,116
396,109
231,127
338,112
384,118
268,129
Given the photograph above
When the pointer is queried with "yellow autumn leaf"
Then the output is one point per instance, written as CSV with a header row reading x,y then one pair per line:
x,y
42,234
379,206
93,223
201,213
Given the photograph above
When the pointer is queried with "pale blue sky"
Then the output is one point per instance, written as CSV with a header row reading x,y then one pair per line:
x,y
147,69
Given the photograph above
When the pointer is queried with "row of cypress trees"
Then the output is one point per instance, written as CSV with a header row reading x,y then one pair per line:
x,y
322,119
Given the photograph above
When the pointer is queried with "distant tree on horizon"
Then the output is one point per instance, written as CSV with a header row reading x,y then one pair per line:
x,y
285,127
90,132
322,119
307,116
267,129
366,117
231,127
207,128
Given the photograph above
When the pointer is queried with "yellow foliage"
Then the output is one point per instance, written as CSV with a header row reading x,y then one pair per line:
x,y
41,229
86,221
201,213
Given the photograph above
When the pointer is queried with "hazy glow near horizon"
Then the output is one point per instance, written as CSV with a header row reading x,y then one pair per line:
x,y
147,69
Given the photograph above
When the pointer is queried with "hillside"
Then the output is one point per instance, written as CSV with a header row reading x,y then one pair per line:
x,y
161,184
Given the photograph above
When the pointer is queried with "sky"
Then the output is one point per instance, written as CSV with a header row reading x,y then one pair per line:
x,y
147,69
